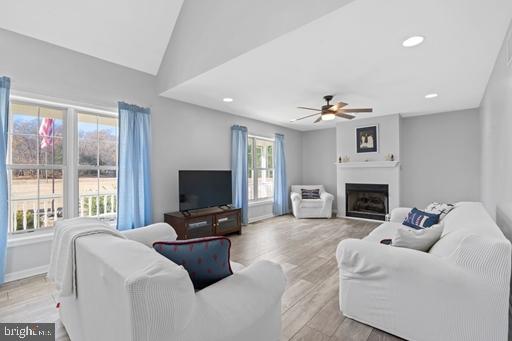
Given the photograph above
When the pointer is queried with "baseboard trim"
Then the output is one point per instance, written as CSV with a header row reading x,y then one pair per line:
x,y
14,276
255,219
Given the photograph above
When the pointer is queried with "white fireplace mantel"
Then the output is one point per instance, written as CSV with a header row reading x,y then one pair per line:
x,y
368,164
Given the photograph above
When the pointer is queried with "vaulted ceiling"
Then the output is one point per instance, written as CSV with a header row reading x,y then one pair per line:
x,y
271,57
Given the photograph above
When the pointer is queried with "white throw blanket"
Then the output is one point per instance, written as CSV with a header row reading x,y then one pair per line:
x,y
62,269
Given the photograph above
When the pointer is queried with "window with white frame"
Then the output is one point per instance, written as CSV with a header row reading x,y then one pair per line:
x,y
260,166
97,165
49,181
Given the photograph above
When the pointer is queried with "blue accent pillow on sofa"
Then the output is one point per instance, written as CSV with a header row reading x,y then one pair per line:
x,y
205,259
419,220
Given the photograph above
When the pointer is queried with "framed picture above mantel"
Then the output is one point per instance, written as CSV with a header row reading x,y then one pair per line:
x,y
367,139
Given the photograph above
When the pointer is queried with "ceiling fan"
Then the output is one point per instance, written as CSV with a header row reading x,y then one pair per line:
x,y
330,111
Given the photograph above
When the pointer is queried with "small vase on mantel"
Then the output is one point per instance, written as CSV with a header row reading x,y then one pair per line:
x,y
390,157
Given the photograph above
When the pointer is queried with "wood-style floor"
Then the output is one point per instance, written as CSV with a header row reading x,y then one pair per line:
x,y
306,250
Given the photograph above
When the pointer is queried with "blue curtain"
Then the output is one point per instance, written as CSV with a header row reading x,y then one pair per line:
x,y
280,206
239,170
5,86
134,172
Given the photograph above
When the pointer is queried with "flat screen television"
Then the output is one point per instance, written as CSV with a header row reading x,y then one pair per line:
x,y
204,188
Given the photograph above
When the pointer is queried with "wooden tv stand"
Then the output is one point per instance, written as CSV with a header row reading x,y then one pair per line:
x,y
205,222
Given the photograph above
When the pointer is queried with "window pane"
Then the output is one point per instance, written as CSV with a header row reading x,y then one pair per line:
x,y
23,184
108,153
88,192
51,121
264,153
51,191
24,149
51,151
107,128
88,139
108,194
265,184
24,215
250,186
24,118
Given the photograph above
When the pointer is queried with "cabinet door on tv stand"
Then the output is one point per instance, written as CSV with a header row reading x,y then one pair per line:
x,y
199,227
228,223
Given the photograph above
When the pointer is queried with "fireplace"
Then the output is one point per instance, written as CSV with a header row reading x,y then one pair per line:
x,y
370,201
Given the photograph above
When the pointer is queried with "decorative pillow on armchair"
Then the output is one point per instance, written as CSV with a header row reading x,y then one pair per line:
x,y
419,220
205,259
310,193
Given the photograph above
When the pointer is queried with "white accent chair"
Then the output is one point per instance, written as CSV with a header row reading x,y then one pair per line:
x,y
128,291
311,208
457,291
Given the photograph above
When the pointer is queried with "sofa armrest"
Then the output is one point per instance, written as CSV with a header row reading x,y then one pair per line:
x,y
326,196
399,214
295,196
147,235
233,304
413,283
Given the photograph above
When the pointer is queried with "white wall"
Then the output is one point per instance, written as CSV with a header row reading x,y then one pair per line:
x,y
496,123
184,136
318,158
440,158
388,136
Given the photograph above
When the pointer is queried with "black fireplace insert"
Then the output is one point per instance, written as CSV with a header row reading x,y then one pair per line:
x,y
370,201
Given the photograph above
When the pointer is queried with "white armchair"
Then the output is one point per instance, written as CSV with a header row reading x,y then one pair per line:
x,y
311,208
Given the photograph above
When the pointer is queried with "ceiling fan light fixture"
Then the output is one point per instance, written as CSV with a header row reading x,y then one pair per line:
x,y
328,117
413,41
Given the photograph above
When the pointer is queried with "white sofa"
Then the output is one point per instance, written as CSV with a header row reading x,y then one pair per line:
x,y
459,290
127,291
311,208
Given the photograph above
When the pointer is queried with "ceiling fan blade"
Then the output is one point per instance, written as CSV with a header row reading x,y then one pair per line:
x,y
309,108
337,106
347,116
356,110
317,113
318,119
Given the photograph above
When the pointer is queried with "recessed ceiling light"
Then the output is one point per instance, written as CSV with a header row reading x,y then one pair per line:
x,y
433,95
413,41
227,99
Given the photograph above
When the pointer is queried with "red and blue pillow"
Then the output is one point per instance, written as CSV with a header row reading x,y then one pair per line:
x,y
205,259
420,220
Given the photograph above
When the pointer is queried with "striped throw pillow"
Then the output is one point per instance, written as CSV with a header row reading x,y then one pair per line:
x,y
310,193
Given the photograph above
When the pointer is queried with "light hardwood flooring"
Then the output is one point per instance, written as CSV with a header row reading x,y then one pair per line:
x,y
306,250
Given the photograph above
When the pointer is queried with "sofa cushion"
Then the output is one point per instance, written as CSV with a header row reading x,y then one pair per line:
x,y
310,193
311,203
417,239
419,220
205,259
385,230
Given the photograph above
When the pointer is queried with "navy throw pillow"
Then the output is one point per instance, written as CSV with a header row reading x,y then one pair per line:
x,y
310,193
205,259
419,220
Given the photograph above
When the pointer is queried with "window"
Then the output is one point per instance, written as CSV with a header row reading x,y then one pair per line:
x,y
47,180
35,164
260,165
97,166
